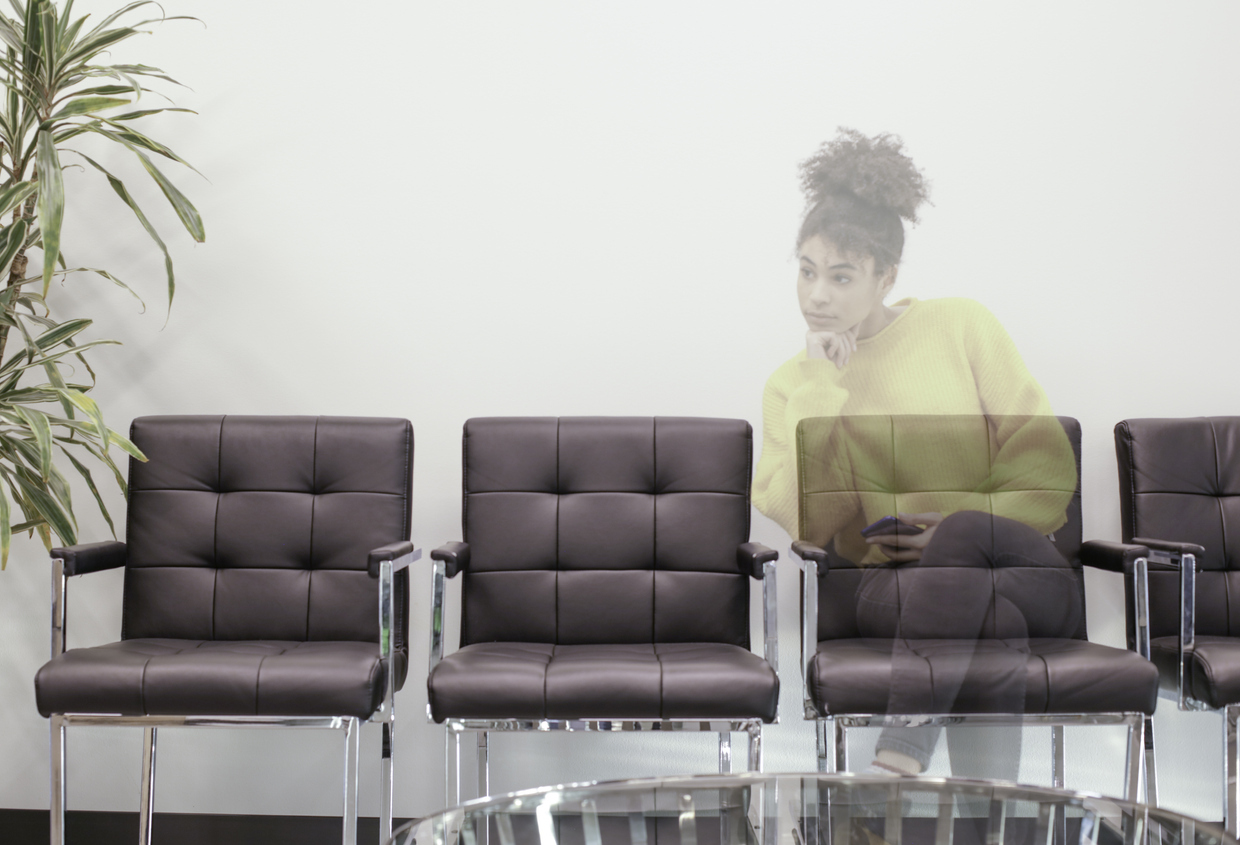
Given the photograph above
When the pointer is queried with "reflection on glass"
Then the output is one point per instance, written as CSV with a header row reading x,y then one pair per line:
x,y
755,809
933,511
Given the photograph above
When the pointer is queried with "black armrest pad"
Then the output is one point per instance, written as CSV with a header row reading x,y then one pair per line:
x,y
751,556
1113,557
389,552
92,557
455,555
808,551
1169,546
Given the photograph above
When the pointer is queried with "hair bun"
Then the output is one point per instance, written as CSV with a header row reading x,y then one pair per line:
x,y
875,170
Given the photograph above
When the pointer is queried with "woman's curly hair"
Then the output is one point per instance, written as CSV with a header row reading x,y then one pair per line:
x,y
857,189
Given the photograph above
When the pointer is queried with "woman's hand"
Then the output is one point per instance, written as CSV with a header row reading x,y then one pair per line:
x,y
906,548
836,347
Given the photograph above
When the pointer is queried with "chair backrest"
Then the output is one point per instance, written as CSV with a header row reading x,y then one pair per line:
x,y
1179,480
605,530
912,463
258,528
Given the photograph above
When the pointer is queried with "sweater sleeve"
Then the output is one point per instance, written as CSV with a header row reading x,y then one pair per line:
x,y
1033,470
797,390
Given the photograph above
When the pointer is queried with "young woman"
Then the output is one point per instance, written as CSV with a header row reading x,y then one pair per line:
x,y
863,357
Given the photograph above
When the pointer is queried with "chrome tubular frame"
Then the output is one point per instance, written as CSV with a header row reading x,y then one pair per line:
x,y
1140,729
1135,722
724,727
1231,798
1186,564
437,589
1188,631
456,727
1141,643
351,726
809,635
60,595
770,617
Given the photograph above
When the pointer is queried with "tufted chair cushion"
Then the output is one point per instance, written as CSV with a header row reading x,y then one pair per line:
x,y
606,530
916,463
956,465
603,578
1180,481
247,588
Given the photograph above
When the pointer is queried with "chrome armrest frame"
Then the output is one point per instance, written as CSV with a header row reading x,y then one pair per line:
x,y
1188,626
438,569
1141,607
809,632
60,595
387,623
770,616
1186,564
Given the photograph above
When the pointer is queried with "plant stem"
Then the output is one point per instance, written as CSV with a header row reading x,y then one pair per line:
x,y
17,271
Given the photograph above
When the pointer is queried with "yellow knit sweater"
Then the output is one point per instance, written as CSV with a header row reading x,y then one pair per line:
x,y
938,357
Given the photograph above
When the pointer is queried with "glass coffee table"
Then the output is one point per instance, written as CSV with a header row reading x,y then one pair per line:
x,y
810,809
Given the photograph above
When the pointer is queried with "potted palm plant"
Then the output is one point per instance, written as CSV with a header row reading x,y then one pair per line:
x,y
59,93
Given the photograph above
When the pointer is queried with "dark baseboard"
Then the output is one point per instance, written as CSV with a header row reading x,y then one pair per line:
x,y
30,827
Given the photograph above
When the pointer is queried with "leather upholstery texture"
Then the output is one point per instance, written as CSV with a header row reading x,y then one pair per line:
x,y
629,681
1061,675
606,530
215,678
898,436
246,579
1062,671
1215,673
1180,481
603,575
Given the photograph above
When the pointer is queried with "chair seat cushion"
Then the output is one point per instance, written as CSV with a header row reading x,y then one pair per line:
x,y
168,677
980,676
1215,675
509,680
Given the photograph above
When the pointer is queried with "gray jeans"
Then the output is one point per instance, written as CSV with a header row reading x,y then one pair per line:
x,y
960,645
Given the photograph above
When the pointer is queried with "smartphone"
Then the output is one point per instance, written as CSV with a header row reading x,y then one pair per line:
x,y
890,525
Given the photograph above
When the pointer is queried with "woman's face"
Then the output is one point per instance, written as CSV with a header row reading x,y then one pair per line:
x,y
838,291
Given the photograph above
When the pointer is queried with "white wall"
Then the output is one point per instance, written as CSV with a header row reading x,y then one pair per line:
x,y
444,210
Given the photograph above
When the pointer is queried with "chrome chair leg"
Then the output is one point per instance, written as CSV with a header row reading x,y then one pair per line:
x,y
841,747
893,827
484,766
1231,810
385,780
1059,827
349,822
1057,756
1132,767
770,810
57,726
452,768
944,825
820,744
147,805
811,811
755,747
1151,769
725,752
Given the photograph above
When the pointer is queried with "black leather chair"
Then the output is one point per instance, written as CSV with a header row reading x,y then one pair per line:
x,y
605,584
1066,679
264,586
1179,483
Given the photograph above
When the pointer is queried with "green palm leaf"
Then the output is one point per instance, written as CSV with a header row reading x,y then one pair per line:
x,y
51,204
59,87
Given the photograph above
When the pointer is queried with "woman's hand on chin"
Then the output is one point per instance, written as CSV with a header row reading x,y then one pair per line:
x,y
836,347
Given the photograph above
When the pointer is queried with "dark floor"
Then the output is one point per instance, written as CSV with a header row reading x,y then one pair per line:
x,y
30,827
